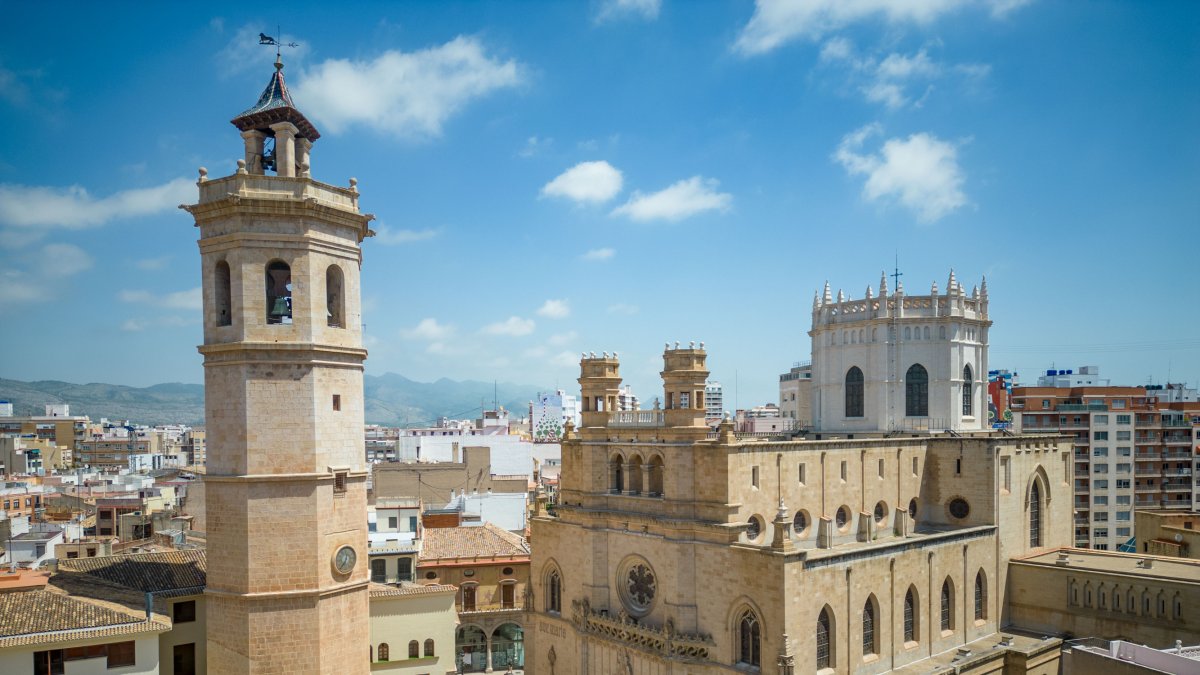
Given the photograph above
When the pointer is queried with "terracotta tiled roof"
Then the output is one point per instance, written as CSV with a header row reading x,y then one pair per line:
x,y
386,591
147,572
486,541
25,617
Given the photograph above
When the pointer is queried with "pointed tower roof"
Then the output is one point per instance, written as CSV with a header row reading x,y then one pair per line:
x,y
816,300
952,284
900,287
841,296
869,294
983,287
275,105
933,289
883,291
826,296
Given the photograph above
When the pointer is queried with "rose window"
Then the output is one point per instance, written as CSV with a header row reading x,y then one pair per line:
x,y
638,587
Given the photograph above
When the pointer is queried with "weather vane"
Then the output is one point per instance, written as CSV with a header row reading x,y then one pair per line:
x,y
264,39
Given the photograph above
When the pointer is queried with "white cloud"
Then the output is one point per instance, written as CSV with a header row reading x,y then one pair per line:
x,y
611,10
34,206
514,326
562,339
405,94
193,298
777,22
593,182
534,145
390,237
681,200
555,309
623,308
599,254
153,264
920,172
885,81
428,329
41,275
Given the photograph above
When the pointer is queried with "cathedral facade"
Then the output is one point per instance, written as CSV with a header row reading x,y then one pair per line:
x,y
674,549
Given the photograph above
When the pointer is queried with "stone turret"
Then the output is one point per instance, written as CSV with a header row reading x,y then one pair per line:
x,y
684,374
599,386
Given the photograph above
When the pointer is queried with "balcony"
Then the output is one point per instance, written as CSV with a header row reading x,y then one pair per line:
x,y
1148,454
1177,486
1177,472
1177,440
1080,407
1146,489
1177,455
477,609
663,641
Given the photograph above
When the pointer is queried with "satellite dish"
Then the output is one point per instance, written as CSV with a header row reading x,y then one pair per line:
x,y
1178,537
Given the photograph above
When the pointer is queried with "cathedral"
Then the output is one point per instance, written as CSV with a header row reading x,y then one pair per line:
x,y
878,542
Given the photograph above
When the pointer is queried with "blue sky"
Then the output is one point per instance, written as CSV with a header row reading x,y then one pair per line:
x,y
551,178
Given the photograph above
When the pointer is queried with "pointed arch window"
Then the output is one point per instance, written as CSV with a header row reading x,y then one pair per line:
x,y
824,641
223,294
910,617
868,628
554,592
916,391
968,391
279,292
749,639
980,596
947,606
854,392
1035,515
335,297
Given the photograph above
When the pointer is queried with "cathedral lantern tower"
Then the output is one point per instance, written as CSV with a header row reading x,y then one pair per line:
x,y
894,362
283,372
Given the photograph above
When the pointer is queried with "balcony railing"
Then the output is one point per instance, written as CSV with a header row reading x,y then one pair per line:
x,y
665,640
1081,407
636,418
478,608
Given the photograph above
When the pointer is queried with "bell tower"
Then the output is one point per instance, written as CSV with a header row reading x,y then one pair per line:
x,y
283,361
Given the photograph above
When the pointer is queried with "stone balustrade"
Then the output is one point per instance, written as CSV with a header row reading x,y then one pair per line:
x,y
665,640
636,419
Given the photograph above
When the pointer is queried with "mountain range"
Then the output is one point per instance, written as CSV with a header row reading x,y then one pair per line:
x,y
391,399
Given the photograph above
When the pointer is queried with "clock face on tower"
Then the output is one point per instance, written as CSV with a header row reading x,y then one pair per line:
x,y
344,559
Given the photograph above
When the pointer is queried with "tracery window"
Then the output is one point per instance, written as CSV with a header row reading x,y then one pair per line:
x,y
554,592
980,596
854,392
968,392
1035,515
868,628
916,391
749,639
947,615
910,618
824,644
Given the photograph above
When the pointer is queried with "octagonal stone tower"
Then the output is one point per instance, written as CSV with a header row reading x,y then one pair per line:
x,y
283,364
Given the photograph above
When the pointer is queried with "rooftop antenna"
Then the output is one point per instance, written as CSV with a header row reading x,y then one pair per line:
x,y
895,275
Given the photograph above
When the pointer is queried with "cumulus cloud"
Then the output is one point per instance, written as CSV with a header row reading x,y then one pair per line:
x,y
599,254
685,198
192,298
410,95
887,80
611,10
777,22
586,182
45,207
394,237
428,329
555,309
514,326
920,172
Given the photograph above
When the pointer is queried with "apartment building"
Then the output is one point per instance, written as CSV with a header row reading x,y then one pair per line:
x,y
57,425
795,394
1132,449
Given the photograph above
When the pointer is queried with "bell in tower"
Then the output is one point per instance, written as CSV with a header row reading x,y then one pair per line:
x,y
278,137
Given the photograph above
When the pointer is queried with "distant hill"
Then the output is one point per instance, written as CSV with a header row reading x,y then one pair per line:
x,y
390,399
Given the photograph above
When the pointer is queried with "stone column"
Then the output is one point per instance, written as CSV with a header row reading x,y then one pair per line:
x,y
254,150
646,482
488,654
304,157
285,148
629,474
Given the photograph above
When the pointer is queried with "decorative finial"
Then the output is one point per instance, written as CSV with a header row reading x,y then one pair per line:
x,y
204,173
354,184
869,294
241,166
691,344
826,297
883,289
666,346
900,287
614,355
975,292
841,296
933,290
952,283
702,344
816,300
677,344
583,355
983,287
604,354
593,355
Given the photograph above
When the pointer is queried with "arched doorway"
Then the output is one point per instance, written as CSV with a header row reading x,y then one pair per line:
x,y
470,648
508,647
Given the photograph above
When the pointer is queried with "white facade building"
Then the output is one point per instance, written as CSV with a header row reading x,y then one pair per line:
x,y
550,413
897,362
714,401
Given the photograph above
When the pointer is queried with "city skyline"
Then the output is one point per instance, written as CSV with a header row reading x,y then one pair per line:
x,y
612,175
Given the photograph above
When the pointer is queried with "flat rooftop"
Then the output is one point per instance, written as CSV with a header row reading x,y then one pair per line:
x,y
1183,570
